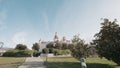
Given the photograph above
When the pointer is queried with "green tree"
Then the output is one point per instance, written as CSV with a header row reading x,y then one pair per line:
x,y
45,50
58,45
50,45
107,41
80,49
64,46
70,46
21,47
36,46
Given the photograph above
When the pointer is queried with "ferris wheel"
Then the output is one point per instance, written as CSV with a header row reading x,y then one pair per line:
x,y
1,44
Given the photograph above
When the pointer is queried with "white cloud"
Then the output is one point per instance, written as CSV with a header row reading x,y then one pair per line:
x,y
20,37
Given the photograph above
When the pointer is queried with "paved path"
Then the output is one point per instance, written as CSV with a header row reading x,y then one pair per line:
x,y
33,62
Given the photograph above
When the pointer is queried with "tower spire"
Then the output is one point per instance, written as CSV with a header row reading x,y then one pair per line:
x,y
56,37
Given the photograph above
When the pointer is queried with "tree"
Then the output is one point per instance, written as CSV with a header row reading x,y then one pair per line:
x,y
107,41
36,46
21,47
58,45
64,46
50,45
80,49
45,50
70,47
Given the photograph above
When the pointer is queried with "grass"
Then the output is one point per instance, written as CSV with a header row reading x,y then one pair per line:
x,y
10,62
70,62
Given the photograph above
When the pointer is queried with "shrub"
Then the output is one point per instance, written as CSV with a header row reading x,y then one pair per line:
x,y
45,50
51,50
36,53
18,53
67,51
10,53
55,51
61,52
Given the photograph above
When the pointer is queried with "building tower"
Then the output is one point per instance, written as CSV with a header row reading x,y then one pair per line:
x,y
56,37
64,39
40,41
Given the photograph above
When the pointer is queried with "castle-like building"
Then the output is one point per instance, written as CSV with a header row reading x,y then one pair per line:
x,y
55,39
63,40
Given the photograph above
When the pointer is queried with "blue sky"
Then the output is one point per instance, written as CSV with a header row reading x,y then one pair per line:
x,y
26,21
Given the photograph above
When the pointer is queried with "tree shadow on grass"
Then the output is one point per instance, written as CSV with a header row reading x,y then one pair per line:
x,y
76,65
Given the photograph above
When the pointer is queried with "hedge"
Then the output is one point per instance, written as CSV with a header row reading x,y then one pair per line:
x,y
18,53
62,52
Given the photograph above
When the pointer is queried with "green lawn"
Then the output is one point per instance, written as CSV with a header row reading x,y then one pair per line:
x,y
70,62
10,62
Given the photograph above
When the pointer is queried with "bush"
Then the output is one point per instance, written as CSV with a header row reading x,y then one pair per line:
x,y
67,51
57,52
10,53
18,53
36,53
45,50
51,50
61,52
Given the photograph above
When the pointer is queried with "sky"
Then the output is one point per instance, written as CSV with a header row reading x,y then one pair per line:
x,y
27,21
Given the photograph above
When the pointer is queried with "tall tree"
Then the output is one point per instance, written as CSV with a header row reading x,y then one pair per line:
x,y
64,46
50,45
36,46
58,45
21,47
80,49
107,41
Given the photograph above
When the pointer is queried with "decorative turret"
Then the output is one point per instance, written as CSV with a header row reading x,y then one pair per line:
x,y
40,41
56,37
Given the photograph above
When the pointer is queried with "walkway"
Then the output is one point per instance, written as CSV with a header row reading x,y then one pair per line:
x,y
33,62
